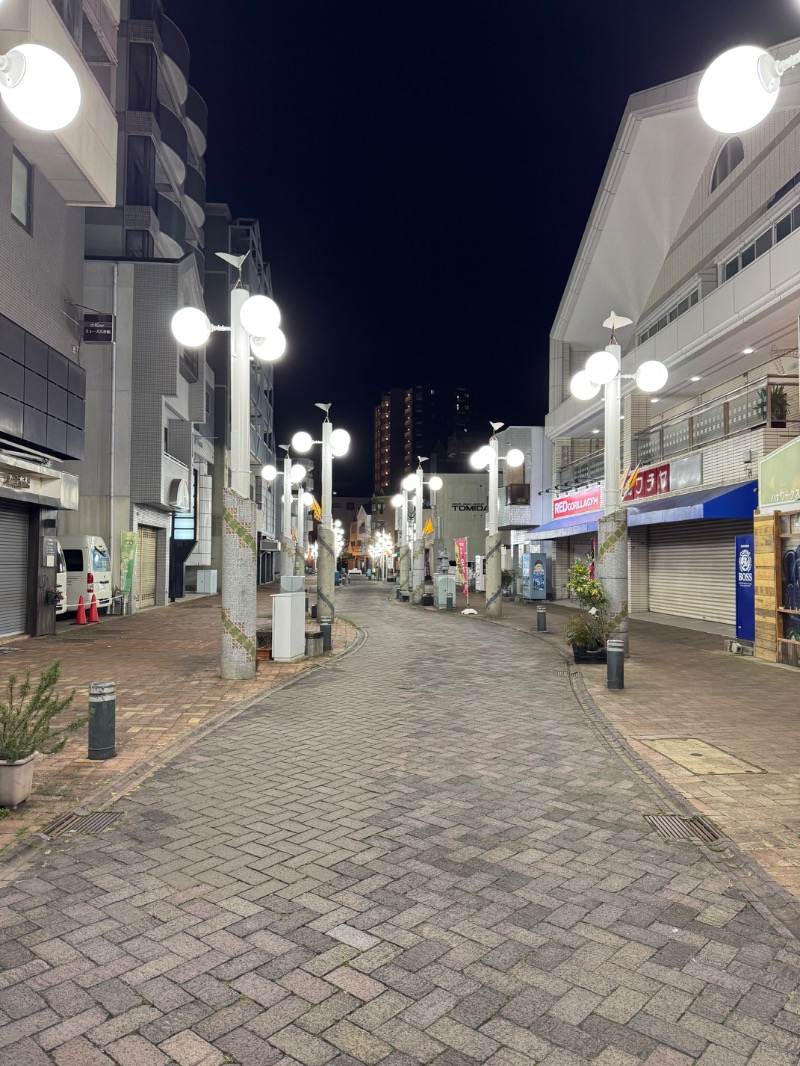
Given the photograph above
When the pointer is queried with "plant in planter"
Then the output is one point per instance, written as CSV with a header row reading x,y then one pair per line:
x,y
590,627
506,582
27,730
778,404
54,595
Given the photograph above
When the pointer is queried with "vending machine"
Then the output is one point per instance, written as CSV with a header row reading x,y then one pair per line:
x,y
534,577
480,573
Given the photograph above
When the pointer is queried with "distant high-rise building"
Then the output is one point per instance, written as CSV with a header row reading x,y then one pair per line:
x,y
419,420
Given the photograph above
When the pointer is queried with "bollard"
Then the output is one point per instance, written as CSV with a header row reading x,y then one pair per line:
x,y
313,610
325,627
102,720
541,619
397,593
450,603
615,663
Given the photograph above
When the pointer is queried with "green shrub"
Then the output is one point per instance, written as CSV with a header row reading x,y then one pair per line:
x,y
26,717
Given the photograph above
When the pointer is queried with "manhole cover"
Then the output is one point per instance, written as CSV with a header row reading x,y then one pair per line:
x,y
675,827
699,757
81,823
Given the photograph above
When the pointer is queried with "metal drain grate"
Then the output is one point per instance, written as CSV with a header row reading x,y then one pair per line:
x,y
81,823
565,673
674,827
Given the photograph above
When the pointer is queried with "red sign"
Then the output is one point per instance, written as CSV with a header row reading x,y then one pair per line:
x,y
651,482
578,502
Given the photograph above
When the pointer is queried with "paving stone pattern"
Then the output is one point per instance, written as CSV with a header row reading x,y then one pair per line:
x,y
423,852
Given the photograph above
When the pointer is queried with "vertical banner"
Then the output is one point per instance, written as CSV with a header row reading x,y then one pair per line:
x,y
127,557
745,589
461,563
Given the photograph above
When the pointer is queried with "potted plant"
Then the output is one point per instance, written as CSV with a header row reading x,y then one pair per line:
x,y
54,595
590,627
778,405
507,582
27,730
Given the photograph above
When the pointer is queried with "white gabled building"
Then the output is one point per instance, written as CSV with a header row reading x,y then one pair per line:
x,y
695,236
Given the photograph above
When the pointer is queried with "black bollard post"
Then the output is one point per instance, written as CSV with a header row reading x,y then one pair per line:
x,y
449,603
325,628
541,619
313,610
615,663
102,720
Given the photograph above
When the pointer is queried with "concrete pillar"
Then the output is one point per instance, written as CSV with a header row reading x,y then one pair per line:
x,y
494,602
239,588
325,568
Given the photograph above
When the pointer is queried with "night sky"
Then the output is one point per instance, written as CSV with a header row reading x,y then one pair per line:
x,y
423,173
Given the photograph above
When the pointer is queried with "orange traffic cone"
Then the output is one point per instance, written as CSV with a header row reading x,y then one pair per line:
x,y
80,617
93,616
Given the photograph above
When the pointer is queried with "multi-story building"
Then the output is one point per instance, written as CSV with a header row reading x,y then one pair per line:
x,y
144,260
47,180
421,420
695,236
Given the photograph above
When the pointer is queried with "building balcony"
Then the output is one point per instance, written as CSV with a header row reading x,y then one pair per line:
x,y
172,224
176,57
173,142
197,121
79,161
194,189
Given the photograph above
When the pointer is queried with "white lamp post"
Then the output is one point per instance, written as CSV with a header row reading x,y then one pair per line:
x,y
400,504
410,485
484,457
603,369
39,87
740,88
335,443
253,323
293,474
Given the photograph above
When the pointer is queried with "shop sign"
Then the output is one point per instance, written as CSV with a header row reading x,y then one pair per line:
x,y
470,506
582,502
654,481
745,589
20,482
779,477
98,328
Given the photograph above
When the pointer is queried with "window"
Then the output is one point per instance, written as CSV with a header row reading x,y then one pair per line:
x,y
21,190
139,244
140,172
141,77
730,156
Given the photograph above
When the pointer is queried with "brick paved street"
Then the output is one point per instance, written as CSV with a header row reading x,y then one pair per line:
x,y
427,850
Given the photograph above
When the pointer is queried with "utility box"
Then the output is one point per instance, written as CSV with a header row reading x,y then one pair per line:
x,y
445,585
207,582
292,583
288,627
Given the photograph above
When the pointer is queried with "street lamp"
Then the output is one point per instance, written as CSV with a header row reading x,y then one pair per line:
x,y
253,327
484,457
380,551
740,88
293,474
335,443
39,87
603,369
400,503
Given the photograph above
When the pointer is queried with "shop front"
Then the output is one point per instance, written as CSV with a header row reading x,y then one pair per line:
x,y
777,557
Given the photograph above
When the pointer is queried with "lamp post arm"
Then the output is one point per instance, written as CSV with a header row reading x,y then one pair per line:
x,y
771,69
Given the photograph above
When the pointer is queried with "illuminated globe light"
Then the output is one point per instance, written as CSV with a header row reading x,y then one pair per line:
x,y
651,376
340,442
306,499
515,457
410,482
733,94
435,483
602,367
296,473
302,441
482,457
398,500
259,315
39,87
269,472
582,387
190,327
269,347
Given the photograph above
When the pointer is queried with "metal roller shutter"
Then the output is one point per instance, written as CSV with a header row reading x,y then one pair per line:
x,y
692,568
13,567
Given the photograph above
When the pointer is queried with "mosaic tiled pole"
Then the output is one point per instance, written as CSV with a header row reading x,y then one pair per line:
x,y
405,549
612,532
326,561
418,557
494,599
239,572
287,544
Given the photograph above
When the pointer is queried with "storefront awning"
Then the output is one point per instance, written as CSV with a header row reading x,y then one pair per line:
x,y
571,526
739,501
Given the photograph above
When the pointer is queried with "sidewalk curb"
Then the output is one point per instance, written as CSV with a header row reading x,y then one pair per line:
x,y
15,857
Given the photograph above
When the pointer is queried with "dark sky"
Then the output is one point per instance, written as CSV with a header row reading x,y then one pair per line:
x,y
423,172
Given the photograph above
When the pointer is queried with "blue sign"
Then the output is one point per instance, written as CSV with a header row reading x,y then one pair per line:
x,y
745,589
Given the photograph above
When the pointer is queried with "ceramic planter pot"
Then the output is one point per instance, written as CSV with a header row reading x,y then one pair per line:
x,y
16,781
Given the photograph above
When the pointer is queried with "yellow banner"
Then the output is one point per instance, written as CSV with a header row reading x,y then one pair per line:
x,y
428,528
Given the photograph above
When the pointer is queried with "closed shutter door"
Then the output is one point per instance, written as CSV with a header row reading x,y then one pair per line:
x,y
692,569
13,568
146,595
